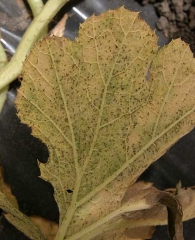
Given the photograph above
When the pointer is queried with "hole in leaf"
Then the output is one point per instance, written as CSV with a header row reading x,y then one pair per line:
x,y
69,191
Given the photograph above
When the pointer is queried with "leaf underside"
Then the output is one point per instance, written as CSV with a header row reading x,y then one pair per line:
x,y
102,121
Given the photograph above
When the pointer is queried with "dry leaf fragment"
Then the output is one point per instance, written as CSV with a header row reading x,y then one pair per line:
x,y
48,228
175,215
158,215
5,189
154,197
58,30
8,203
140,232
125,233
24,224
141,222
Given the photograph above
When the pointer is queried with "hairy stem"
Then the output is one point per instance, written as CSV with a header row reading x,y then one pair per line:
x,y
14,67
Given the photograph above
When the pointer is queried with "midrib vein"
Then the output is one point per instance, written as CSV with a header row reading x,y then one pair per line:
x,y
140,205
123,167
71,209
98,126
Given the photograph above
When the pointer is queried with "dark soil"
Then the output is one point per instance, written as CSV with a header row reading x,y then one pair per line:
x,y
176,19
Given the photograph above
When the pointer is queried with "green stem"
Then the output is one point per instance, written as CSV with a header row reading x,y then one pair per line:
x,y
14,67
3,62
3,57
36,6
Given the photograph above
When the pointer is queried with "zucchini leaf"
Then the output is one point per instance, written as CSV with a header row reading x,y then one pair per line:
x,y
102,121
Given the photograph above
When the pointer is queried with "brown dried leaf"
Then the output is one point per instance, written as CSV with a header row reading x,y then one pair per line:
x,y
48,228
58,30
158,214
163,197
140,232
5,188
23,224
173,207
125,233
8,203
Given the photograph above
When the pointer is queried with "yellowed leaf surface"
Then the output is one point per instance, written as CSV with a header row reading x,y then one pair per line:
x,y
103,123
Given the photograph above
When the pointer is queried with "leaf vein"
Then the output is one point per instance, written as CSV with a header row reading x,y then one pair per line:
x,y
126,164
50,120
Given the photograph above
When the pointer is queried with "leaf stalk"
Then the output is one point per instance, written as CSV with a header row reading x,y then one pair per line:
x,y
14,67
3,62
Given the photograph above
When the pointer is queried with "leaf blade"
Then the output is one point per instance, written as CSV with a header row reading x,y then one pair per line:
x,y
107,123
